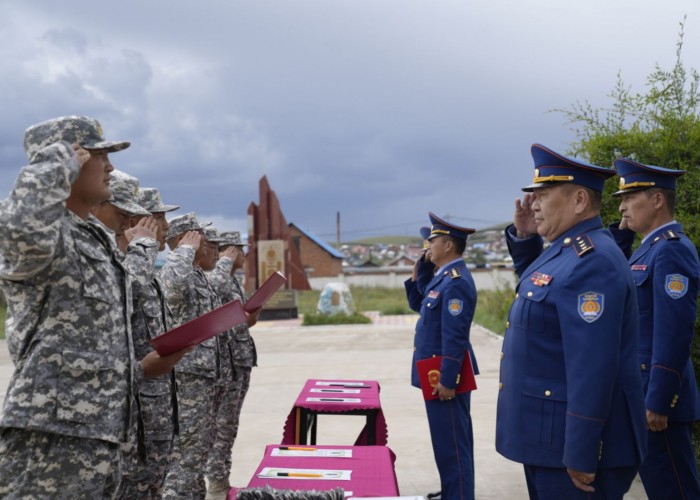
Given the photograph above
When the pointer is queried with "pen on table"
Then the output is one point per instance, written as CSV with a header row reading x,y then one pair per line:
x,y
297,448
331,390
353,386
331,399
297,474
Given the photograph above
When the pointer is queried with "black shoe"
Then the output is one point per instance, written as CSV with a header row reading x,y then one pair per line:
x,y
434,496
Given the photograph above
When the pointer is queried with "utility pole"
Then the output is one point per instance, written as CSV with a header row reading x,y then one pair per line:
x,y
337,230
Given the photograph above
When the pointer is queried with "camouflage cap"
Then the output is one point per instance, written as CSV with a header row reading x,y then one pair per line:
x,y
213,235
124,188
232,238
183,223
87,132
149,198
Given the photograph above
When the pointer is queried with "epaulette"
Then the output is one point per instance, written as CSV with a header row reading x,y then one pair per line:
x,y
583,244
671,235
454,273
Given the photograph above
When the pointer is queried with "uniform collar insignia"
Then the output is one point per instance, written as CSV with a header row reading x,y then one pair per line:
x,y
454,273
583,244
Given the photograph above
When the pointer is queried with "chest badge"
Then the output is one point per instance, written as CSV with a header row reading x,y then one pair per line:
x,y
540,279
638,267
676,285
591,306
433,294
455,306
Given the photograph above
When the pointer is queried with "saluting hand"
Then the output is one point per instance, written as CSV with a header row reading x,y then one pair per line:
x,y
230,252
524,217
81,154
145,228
191,238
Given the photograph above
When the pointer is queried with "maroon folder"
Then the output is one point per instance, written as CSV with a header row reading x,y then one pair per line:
x,y
266,290
200,329
429,376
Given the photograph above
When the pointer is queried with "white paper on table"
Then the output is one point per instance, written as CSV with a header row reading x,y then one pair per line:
x,y
341,383
336,391
312,474
333,400
301,451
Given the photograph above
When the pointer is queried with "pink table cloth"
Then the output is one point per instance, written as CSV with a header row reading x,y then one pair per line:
x,y
369,400
372,469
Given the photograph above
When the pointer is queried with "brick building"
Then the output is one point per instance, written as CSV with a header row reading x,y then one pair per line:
x,y
318,257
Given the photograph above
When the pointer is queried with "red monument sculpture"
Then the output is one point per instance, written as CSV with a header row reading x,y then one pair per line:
x,y
271,247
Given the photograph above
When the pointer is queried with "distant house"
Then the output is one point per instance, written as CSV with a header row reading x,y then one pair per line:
x,y
402,259
318,257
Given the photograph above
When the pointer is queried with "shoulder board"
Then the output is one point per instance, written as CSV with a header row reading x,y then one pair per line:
x,y
454,273
583,244
672,235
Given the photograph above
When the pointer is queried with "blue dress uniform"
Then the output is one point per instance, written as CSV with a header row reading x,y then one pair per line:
x,y
446,315
570,391
666,274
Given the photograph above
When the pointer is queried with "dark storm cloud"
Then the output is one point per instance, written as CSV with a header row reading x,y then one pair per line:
x,y
378,110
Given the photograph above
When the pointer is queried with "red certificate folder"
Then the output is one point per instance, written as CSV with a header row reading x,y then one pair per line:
x,y
263,294
429,376
200,329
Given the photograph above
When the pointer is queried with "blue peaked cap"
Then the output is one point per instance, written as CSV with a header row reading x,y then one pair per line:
x,y
424,232
440,228
636,177
552,168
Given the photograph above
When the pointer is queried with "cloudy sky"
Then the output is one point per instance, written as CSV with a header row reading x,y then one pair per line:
x,y
378,109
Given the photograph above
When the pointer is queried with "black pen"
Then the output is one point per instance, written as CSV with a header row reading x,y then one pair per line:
x,y
331,399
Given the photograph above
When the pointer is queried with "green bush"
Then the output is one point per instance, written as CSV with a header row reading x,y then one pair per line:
x,y
337,319
492,308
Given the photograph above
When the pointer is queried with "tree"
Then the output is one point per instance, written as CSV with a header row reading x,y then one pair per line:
x,y
658,127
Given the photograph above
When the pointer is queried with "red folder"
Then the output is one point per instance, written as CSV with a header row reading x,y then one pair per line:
x,y
263,294
200,329
429,376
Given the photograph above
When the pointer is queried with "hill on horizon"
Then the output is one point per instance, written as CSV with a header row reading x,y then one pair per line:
x,y
478,235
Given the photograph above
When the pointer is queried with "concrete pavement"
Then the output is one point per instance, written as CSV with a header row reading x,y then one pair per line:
x,y
289,354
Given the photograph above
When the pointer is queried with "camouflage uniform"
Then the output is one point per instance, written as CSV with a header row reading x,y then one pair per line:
x,y
188,296
144,472
244,358
68,402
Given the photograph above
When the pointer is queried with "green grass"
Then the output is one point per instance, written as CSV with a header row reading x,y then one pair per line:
x,y
388,301
492,308
337,319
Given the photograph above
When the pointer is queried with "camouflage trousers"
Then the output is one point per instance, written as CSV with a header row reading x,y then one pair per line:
x,y
145,480
43,465
185,477
226,429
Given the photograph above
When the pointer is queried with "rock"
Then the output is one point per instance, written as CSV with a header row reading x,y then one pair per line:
x,y
335,299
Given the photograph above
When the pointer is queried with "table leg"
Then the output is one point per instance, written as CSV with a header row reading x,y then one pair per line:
x,y
372,427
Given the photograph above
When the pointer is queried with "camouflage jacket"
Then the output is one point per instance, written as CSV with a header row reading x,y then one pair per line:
x,y
228,288
150,317
188,299
68,304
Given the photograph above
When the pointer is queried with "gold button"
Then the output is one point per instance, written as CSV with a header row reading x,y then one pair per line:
x,y
657,238
503,355
644,367
529,294
517,295
507,324
567,241
547,393
500,386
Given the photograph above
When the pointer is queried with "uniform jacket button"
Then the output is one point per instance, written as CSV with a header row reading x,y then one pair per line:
x,y
547,393
500,386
